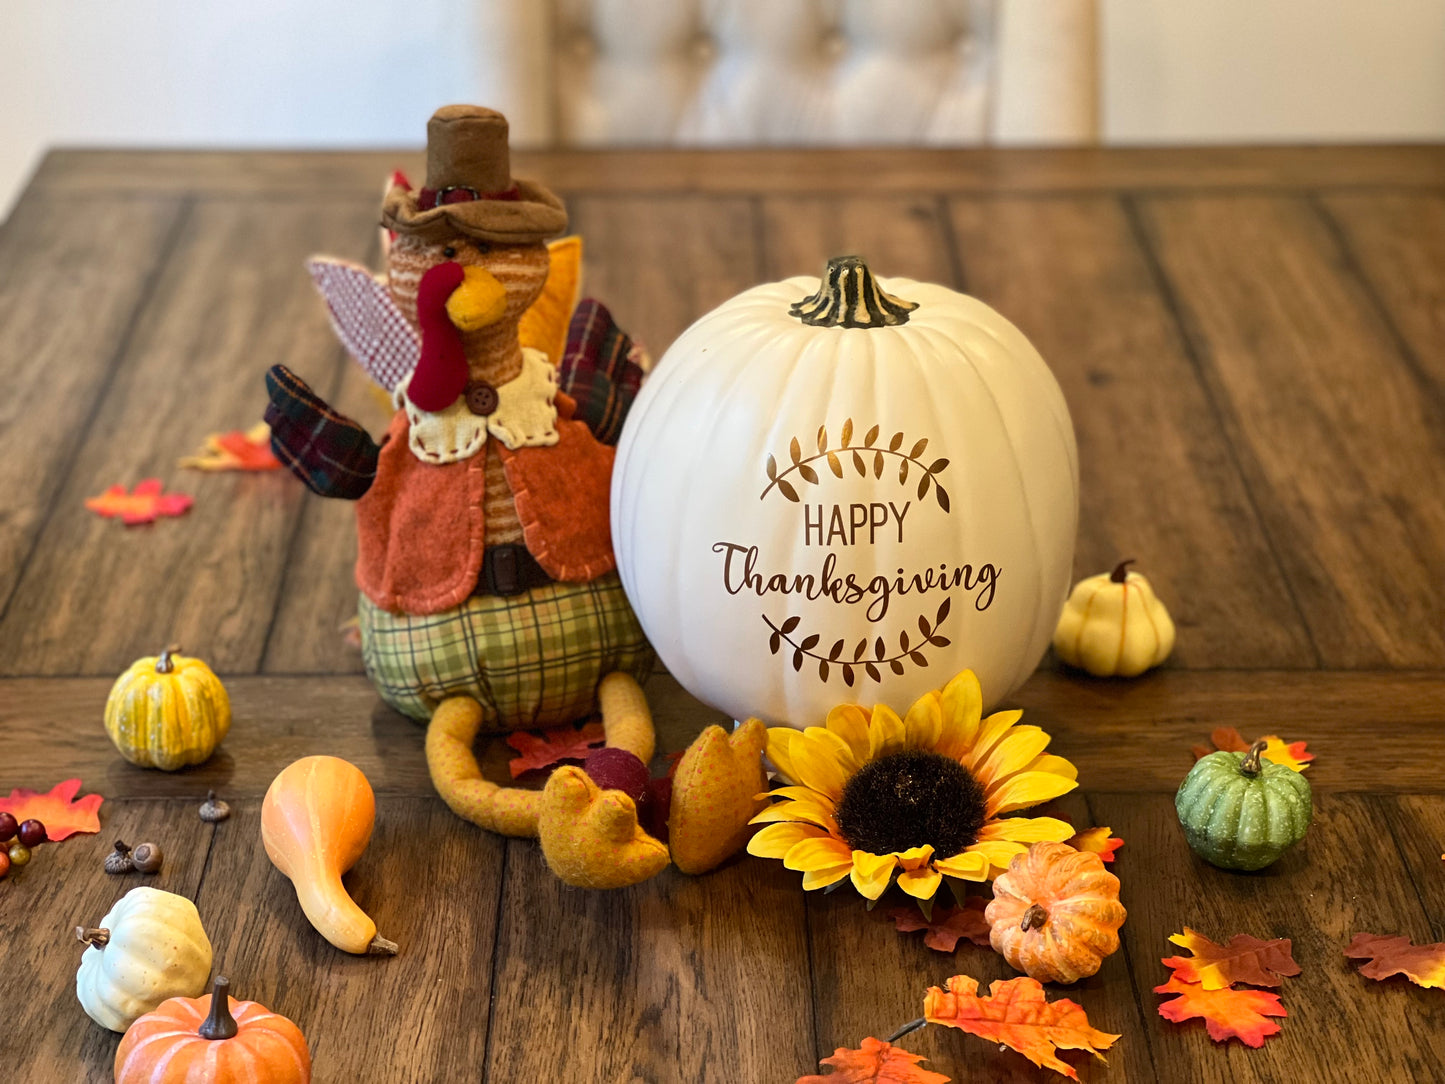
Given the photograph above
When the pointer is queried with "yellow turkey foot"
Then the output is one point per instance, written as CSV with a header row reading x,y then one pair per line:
x,y
590,836
716,790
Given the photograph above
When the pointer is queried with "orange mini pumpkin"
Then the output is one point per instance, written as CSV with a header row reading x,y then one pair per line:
x,y
213,1038
1055,913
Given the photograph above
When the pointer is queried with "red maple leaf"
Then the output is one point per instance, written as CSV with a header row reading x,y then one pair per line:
x,y
947,925
1227,1014
1424,965
1099,841
142,505
875,1063
62,816
1228,739
552,747
1244,959
236,450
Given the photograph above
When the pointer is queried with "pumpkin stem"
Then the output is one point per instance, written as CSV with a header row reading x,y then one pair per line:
x,y
849,296
380,946
1250,765
1121,570
99,938
1034,918
164,664
220,1024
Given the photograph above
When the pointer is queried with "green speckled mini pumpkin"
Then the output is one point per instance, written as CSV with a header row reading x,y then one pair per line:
x,y
1239,812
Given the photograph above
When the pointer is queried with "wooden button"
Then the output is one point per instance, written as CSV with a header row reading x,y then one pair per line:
x,y
481,397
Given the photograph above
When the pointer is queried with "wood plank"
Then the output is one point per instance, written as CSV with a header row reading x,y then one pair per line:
x,y
1122,735
1398,240
899,236
661,262
431,882
47,1034
70,172
868,979
677,979
1334,434
232,299
1317,895
1418,823
1158,478
66,304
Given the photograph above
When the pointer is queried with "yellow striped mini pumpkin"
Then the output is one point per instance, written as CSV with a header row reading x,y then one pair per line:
x,y
167,711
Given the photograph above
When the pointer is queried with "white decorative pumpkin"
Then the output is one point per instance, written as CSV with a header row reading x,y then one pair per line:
x,y
148,948
846,490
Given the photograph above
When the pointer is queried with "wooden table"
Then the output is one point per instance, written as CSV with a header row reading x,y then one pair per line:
x,y
1252,343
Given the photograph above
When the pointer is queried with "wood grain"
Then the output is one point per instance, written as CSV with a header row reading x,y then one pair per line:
x,y
1158,481
678,979
1318,895
232,299
47,1034
903,237
71,278
1334,433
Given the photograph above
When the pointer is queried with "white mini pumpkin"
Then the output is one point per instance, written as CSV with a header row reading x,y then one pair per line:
x,y
1113,625
805,432
149,947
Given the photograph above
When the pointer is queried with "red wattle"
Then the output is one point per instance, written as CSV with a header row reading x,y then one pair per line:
x,y
441,373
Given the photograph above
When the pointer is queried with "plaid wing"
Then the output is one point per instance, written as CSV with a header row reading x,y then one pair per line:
x,y
366,320
601,369
332,454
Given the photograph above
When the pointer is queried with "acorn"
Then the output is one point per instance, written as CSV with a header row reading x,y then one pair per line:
x,y
119,860
213,810
146,858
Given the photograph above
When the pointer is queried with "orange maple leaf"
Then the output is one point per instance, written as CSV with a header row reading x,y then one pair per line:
x,y
875,1063
142,505
947,925
1099,841
1228,1014
1245,959
552,747
1424,965
1294,755
235,450
1017,1015
62,816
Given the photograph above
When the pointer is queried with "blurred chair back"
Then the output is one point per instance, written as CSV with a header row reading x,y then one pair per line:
x,y
820,72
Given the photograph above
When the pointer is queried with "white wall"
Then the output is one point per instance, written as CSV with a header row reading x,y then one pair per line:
x,y
369,72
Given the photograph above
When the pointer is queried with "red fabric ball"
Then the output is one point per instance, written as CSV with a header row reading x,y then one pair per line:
x,y
617,769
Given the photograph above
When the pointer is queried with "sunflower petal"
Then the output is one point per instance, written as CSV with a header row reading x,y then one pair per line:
x,y
776,840
1013,753
964,865
821,852
800,794
811,812
780,741
920,883
915,857
1026,830
823,738
989,732
1058,765
961,703
924,722
872,872
998,852
822,878
817,768
1026,789
850,722
886,733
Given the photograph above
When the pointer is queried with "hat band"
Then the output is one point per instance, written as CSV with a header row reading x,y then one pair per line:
x,y
429,198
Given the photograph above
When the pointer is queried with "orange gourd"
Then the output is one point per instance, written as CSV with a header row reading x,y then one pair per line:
x,y
316,821
1055,913
214,1038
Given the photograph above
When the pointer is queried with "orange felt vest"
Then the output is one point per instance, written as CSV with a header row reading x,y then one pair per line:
x,y
420,533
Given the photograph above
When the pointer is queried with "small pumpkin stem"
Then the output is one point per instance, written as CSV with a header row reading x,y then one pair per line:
x,y
849,296
1121,570
380,946
220,1024
1250,765
99,938
1034,918
164,664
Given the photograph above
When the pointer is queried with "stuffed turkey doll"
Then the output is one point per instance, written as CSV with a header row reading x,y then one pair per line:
x,y
490,600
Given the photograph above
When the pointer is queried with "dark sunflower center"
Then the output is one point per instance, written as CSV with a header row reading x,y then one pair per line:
x,y
908,799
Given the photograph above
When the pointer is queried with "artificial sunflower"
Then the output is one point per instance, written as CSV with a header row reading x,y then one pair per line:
x,y
923,796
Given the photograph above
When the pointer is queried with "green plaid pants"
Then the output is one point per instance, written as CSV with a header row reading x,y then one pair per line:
x,y
531,660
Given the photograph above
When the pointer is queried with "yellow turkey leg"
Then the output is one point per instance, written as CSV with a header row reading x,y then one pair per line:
x,y
591,838
717,789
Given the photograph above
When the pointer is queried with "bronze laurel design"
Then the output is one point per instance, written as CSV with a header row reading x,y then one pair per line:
x,y
908,648
864,458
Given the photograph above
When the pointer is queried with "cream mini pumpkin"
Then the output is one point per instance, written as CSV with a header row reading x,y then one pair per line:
x,y
149,947
1113,625
167,711
840,489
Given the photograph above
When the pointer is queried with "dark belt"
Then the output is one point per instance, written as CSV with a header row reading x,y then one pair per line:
x,y
509,570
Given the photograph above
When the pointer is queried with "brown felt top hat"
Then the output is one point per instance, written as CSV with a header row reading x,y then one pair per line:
x,y
470,189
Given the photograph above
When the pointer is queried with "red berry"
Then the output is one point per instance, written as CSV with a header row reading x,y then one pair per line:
x,y
32,833
4,863
7,827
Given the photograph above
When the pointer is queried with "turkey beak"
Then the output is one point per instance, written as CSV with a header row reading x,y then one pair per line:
x,y
478,302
